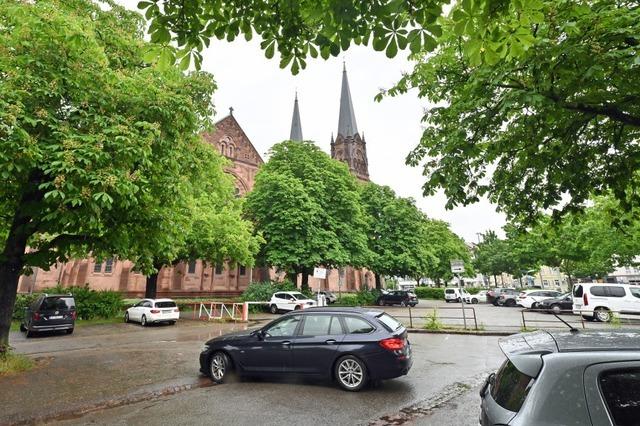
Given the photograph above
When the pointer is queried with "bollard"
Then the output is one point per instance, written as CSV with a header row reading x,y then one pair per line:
x,y
410,318
245,311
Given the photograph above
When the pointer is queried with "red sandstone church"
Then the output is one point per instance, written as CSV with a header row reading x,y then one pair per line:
x,y
198,278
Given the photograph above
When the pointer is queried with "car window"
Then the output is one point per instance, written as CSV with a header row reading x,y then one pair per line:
x,y
286,327
357,325
616,291
147,304
298,296
278,296
597,290
449,291
635,291
510,387
621,391
165,304
57,303
389,321
577,291
316,325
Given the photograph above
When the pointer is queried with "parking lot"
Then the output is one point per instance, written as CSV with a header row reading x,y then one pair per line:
x,y
151,374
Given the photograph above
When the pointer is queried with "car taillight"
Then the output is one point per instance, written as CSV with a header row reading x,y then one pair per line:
x,y
36,316
155,311
585,301
392,344
176,310
73,315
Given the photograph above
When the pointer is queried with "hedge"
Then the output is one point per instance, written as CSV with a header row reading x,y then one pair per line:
x,y
90,303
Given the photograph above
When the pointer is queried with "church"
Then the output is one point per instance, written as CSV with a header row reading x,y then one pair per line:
x,y
198,278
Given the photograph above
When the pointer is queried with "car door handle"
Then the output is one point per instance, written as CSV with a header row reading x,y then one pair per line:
x,y
330,342
286,343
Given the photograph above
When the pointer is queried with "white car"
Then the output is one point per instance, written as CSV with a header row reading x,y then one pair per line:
x,y
598,301
149,311
289,301
453,294
480,297
531,299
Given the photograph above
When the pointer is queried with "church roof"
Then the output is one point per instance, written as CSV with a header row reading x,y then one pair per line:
x,y
347,121
296,125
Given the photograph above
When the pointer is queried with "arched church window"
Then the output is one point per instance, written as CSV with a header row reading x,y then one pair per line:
x,y
231,151
223,148
238,192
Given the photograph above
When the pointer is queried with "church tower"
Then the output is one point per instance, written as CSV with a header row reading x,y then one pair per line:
x,y
296,125
349,146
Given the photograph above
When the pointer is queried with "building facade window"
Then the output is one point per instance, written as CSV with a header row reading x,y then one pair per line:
x,y
191,267
243,270
108,265
97,268
218,269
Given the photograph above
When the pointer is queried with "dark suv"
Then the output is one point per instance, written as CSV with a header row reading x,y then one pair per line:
x,y
494,294
565,378
50,312
397,297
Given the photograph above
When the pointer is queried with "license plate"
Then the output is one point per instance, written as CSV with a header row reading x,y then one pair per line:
x,y
55,317
578,306
167,311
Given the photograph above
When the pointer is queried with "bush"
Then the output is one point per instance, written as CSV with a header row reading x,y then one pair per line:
x,y
262,291
361,298
429,293
90,303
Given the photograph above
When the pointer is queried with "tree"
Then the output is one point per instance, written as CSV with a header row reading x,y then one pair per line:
x,y
299,29
446,247
492,256
307,207
589,244
559,121
90,136
395,234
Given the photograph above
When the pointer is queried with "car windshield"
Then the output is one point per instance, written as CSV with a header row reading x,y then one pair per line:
x,y
392,323
299,296
166,304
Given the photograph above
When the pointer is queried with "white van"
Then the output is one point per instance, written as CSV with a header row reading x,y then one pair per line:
x,y
452,294
599,300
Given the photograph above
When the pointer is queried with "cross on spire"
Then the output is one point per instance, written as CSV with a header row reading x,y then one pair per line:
x,y
231,110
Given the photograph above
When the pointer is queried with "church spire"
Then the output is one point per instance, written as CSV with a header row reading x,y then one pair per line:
x,y
296,125
347,120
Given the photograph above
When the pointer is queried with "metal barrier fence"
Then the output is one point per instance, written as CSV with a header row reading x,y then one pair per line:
x,y
414,313
576,317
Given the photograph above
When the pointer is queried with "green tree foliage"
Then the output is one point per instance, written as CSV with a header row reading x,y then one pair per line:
x,y
307,207
560,118
92,139
588,244
493,256
396,234
298,29
446,247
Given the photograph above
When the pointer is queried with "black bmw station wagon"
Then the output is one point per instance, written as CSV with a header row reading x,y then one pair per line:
x,y
349,345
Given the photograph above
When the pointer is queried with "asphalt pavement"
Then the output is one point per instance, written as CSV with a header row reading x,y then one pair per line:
x,y
151,375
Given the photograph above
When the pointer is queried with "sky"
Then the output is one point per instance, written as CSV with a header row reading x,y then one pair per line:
x,y
262,96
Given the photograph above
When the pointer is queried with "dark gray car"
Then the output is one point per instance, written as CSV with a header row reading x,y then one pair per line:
x,y
566,378
50,312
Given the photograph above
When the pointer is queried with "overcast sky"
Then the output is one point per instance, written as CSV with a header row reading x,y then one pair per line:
x,y
262,97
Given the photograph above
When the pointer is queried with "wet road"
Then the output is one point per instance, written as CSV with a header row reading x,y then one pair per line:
x,y
445,367
123,365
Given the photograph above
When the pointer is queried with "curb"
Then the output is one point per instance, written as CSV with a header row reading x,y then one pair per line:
x,y
80,411
461,332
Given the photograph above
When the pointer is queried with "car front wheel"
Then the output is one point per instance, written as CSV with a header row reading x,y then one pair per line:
x,y
126,317
474,301
380,302
350,373
143,321
273,309
555,308
219,367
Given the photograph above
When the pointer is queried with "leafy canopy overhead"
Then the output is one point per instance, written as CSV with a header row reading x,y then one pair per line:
x,y
298,29
558,122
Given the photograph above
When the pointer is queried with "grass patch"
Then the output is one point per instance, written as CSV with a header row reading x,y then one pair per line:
x,y
433,322
11,363
15,325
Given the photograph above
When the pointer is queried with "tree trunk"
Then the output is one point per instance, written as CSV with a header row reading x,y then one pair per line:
x,y
293,277
304,286
438,282
10,268
151,289
378,281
